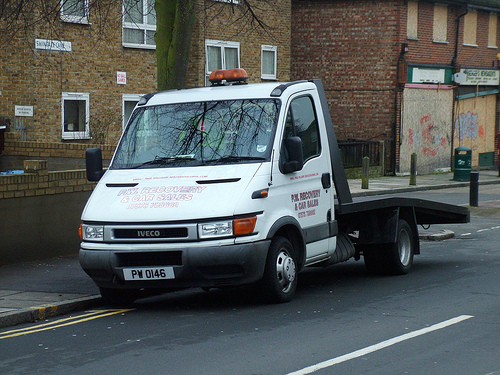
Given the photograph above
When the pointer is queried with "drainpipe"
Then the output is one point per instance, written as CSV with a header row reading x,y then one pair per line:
x,y
455,56
454,64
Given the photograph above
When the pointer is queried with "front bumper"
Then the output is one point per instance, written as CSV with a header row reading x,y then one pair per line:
x,y
193,266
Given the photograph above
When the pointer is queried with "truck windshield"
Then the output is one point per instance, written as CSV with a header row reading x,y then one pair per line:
x,y
191,134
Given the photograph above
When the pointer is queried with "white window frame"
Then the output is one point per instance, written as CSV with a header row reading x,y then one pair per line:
x,y
144,27
222,45
75,19
273,49
128,98
72,135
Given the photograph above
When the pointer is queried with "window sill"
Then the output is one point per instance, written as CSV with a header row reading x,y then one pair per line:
x,y
440,42
470,45
75,137
138,46
77,20
413,39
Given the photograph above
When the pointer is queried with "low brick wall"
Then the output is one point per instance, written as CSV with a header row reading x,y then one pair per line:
x,y
59,155
40,212
37,181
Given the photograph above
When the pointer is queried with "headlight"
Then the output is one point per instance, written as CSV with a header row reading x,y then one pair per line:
x,y
92,232
227,228
215,229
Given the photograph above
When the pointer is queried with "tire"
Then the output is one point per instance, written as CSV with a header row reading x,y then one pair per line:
x,y
118,297
394,258
373,257
279,282
400,256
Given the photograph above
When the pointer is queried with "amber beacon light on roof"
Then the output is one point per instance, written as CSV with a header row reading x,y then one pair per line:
x,y
235,76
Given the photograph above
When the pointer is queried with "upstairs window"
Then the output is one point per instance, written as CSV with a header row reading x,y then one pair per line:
x,y
221,55
269,61
76,11
440,25
470,28
412,22
492,30
139,23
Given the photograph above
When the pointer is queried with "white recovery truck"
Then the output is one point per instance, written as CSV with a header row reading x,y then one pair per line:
x,y
234,184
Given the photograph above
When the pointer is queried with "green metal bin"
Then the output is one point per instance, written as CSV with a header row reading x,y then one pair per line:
x,y
462,164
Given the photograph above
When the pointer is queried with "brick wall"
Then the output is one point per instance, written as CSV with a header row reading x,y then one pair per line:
x,y
425,51
60,155
38,77
33,77
353,47
38,180
226,22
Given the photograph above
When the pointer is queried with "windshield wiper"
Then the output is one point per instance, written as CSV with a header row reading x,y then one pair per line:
x,y
165,160
232,158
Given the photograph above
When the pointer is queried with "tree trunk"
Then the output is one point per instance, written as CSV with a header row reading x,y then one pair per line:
x,y
174,28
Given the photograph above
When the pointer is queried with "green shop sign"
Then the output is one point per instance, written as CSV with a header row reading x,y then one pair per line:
x,y
430,75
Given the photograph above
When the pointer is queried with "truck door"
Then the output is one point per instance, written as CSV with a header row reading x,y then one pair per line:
x,y
310,197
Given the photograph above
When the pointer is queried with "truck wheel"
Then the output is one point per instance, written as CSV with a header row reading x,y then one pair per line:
x,y
118,297
400,256
393,259
280,275
373,257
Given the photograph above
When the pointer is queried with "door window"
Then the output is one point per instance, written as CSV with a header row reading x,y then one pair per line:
x,y
302,122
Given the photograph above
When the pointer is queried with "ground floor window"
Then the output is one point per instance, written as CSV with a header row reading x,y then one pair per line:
x,y
128,104
75,115
269,54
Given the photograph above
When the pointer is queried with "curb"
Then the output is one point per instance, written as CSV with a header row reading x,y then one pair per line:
x,y
407,189
33,314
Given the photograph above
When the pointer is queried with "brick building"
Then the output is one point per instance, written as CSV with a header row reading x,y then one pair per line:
x,y
389,70
76,78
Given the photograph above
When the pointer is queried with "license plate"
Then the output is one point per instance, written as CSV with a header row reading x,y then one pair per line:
x,y
148,273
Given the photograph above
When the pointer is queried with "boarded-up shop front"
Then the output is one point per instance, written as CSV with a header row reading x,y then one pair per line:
x,y
474,126
426,128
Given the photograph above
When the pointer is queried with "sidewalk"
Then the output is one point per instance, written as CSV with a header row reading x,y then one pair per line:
x,y
39,290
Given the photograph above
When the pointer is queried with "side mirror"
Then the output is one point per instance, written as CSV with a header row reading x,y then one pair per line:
x,y
93,163
293,146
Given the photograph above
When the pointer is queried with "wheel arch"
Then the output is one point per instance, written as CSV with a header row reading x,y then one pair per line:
x,y
289,228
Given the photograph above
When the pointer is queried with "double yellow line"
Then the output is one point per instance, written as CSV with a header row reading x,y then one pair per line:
x,y
91,315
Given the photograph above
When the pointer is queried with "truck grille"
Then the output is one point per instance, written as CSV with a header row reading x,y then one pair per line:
x,y
150,233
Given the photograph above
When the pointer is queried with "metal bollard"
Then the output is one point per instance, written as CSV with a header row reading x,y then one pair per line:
x,y
413,169
474,189
365,174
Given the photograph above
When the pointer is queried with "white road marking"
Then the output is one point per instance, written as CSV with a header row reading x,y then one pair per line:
x,y
379,346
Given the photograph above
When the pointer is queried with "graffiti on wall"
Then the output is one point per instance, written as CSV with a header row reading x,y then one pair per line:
x,y
429,139
467,127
